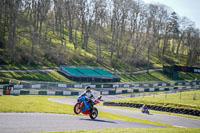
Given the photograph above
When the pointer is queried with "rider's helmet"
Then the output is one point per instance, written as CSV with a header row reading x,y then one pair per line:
x,y
88,89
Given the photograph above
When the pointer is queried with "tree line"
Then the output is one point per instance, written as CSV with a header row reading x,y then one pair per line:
x,y
125,31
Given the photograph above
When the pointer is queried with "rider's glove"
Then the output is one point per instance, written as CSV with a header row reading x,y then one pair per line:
x,y
86,98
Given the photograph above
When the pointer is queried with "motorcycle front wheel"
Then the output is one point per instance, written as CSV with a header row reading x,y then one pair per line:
x,y
94,113
77,108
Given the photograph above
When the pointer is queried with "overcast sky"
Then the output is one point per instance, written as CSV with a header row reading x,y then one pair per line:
x,y
188,8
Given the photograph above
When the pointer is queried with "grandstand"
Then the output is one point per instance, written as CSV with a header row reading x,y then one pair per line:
x,y
85,74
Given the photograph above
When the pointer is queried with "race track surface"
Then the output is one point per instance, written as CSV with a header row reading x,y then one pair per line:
x,y
167,119
47,122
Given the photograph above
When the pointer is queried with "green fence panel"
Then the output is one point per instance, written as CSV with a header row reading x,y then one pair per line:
x,y
159,84
70,85
107,86
4,92
166,89
124,91
24,92
98,86
112,92
42,93
150,85
59,93
176,83
175,88
74,93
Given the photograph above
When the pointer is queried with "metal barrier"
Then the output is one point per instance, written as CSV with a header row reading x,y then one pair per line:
x,y
38,87
60,85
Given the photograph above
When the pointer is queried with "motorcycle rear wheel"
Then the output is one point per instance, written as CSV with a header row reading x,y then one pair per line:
x,y
94,113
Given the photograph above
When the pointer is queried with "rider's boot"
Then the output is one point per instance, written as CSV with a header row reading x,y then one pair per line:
x,y
90,108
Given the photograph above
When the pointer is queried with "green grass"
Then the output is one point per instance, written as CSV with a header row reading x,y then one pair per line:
x,y
179,99
169,59
152,76
37,76
127,118
137,130
189,76
25,66
34,103
31,103
57,77
159,112
157,76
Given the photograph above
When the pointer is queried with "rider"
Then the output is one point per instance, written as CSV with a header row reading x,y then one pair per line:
x,y
90,97
144,107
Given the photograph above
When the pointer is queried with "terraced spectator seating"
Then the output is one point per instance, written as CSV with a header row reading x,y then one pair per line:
x,y
88,74
103,72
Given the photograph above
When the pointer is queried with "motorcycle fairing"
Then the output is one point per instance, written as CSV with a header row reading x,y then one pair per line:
x,y
85,103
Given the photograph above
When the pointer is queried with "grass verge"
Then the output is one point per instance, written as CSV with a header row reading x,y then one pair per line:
x,y
187,99
158,112
127,118
32,103
137,130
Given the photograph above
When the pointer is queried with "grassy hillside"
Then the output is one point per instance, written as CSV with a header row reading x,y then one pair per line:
x,y
157,76
81,57
57,77
33,76
54,53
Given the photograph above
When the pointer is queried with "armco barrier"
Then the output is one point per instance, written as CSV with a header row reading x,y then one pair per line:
x,y
57,85
61,93
114,88
158,108
113,92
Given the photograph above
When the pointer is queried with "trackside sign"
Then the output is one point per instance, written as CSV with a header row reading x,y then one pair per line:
x,y
186,69
197,70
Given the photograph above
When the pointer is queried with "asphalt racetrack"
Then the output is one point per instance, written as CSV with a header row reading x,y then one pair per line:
x,y
47,122
167,119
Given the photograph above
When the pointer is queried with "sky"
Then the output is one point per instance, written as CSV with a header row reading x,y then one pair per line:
x,y
188,8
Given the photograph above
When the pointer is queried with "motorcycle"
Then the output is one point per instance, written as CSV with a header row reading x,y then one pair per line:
x,y
82,106
145,110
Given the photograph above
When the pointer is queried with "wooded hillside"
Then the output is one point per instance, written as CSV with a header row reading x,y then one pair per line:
x,y
115,33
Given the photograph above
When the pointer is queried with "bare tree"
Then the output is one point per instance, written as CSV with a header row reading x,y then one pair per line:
x,y
3,21
43,8
138,30
184,24
99,21
152,32
193,40
173,29
13,8
129,30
